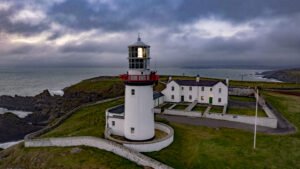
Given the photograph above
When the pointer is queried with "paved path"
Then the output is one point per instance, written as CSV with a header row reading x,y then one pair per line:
x,y
214,123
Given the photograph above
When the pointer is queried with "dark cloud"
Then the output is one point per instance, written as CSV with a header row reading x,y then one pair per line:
x,y
162,23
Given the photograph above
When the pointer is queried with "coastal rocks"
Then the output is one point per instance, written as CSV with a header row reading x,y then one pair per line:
x,y
290,75
14,128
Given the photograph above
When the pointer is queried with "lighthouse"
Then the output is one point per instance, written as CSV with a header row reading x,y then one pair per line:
x,y
139,81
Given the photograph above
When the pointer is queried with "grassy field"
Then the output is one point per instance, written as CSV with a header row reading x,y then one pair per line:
x,y
166,106
201,147
193,147
94,118
245,111
216,109
180,107
200,108
243,98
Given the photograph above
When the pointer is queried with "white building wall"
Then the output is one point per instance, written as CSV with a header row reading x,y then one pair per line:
x,y
118,128
196,93
168,92
139,114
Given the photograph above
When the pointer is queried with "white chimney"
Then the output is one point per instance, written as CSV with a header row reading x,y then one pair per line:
x,y
227,81
197,78
170,78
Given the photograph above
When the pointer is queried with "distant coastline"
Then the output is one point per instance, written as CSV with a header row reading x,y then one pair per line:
x,y
286,75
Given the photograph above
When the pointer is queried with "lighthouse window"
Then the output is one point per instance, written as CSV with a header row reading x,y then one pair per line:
x,y
140,52
220,90
132,92
190,97
132,130
211,89
113,123
172,97
172,88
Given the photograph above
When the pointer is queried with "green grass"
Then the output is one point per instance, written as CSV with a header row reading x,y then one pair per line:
x,y
243,98
201,147
193,146
199,108
264,84
180,107
88,121
246,111
62,158
216,109
166,106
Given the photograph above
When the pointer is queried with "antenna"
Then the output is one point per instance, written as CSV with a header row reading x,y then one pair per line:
x,y
139,37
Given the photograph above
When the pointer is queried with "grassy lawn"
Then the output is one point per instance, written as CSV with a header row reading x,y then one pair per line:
x,y
166,106
216,109
245,111
180,107
200,108
88,121
62,158
243,98
201,147
193,146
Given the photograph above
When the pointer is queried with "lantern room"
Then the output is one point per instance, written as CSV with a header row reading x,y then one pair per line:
x,y
139,54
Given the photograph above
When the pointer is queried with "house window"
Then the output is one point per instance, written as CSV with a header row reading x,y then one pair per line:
x,y
182,88
113,123
190,88
132,130
219,100
211,89
172,88
202,97
190,97
202,88
220,90
132,91
172,97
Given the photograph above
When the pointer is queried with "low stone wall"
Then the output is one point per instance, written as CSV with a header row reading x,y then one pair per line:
x,y
99,143
183,113
147,146
157,110
261,121
236,91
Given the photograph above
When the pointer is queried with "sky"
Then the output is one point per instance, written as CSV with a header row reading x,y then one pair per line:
x,y
181,33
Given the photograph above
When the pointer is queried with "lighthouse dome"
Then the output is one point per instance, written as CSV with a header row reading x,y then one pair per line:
x,y
139,43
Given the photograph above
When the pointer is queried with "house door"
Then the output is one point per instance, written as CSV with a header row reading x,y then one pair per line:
x,y
210,100
182,98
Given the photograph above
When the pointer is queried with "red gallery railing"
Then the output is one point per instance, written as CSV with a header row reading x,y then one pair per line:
x,y
151,77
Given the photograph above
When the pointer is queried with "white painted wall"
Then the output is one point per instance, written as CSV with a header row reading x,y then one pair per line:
x,y
183,113
196,93
261,121
168,92
118,128
139,113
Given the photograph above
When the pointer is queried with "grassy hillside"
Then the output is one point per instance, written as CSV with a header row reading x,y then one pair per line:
x,y
193,147
290,75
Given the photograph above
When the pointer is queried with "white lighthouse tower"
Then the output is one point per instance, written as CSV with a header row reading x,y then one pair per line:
x,y
139,80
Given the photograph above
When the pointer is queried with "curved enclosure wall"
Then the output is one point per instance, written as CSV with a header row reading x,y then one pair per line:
x,y
139,115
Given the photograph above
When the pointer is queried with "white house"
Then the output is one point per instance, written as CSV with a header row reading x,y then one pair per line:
x,y
209,92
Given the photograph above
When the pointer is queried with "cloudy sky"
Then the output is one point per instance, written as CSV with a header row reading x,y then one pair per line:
x,y
190,33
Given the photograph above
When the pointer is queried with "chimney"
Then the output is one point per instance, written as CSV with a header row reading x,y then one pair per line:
x,y
170,79
227,81
197,78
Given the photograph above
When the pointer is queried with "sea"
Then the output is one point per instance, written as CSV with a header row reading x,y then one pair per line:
x,y
30,81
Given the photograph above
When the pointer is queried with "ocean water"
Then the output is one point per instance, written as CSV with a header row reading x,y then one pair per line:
x,y
32,81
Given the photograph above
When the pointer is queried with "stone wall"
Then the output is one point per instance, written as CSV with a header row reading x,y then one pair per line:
x,y
182,113
261,121
99,143
235,91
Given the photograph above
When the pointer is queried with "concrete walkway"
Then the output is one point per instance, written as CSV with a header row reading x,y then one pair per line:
x,y
191,106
